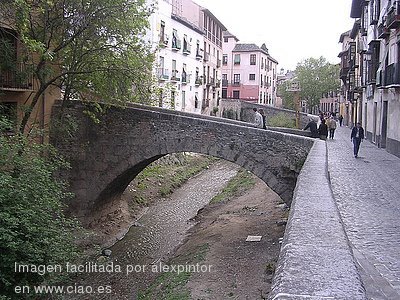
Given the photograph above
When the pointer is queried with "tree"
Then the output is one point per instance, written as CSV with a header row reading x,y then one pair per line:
x,y
317,77
287,96
92,50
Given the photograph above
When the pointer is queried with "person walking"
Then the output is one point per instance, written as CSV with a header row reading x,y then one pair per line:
x,y
340,120
264,118
313,127
323,130
332,127
258,120
357,135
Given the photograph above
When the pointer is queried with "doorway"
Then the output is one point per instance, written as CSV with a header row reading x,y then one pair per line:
x,y
384,124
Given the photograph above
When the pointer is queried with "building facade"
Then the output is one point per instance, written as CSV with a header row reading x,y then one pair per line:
x,y
178,58
248,72
187,40
373,62
18,85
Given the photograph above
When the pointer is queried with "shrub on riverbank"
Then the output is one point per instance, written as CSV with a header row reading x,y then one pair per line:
x,y
33,228
236,187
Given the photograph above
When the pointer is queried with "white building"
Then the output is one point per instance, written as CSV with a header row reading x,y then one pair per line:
x,y
178,61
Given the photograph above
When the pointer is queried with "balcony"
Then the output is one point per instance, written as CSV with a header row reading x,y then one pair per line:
x,y
174,76
343,73
236,83
185,78
393,16
163,74
198,81
176,44
383,31
186,48
17,78
199,53
164,39
211,81
391,75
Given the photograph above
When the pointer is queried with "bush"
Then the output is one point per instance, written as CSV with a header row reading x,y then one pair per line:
x,y
33,228
282,120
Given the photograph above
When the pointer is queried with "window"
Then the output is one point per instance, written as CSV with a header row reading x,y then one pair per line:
x,y
196,100
225,80
374,12
252,59
225,39
236,60
162,32
174,71
174,38
225,59
236,79
184,77
252,76
236,94
183,100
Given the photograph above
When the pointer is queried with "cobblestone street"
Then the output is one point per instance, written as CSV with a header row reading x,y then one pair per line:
x,y
367,192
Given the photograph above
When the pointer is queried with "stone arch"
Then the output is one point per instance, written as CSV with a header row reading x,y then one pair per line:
x,y
105,157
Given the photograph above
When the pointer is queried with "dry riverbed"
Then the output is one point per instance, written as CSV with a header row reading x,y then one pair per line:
x,y
228,266
239,269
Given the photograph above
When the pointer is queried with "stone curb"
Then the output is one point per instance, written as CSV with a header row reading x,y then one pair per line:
x,y
316,261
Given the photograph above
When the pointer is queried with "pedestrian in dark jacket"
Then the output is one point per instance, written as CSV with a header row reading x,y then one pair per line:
x,y
313,128
264,118
340,120
323,130
357,135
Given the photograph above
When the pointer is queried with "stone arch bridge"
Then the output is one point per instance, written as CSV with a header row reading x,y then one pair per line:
x,y
106,157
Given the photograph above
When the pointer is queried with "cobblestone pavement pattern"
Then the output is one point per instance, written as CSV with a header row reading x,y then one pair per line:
x,y
367,192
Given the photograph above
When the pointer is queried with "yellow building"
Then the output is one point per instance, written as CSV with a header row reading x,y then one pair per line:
x,y
18,84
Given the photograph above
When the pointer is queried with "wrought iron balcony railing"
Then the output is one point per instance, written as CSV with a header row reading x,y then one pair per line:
x,y
19,77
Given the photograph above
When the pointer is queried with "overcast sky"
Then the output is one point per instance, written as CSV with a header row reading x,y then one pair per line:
x,y
293,30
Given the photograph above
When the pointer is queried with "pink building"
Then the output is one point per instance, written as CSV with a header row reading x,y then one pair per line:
x,y
248,72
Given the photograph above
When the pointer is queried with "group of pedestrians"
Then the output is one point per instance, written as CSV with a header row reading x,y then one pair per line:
x,y
327,126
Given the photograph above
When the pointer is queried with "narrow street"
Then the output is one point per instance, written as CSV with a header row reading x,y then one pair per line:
x,y
367,192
